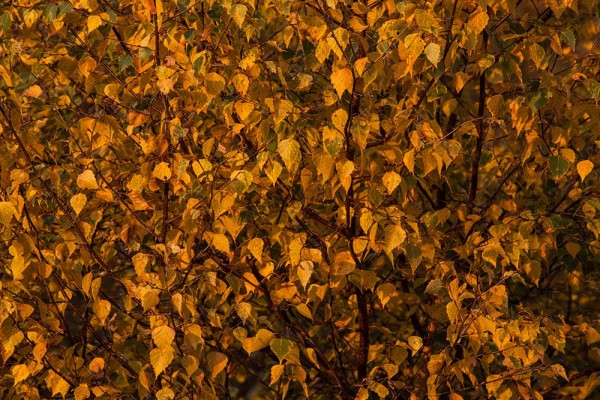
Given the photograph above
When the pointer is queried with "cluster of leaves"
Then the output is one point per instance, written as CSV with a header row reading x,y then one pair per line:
x,y
321,198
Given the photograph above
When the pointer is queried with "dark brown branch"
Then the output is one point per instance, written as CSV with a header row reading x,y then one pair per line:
x,y
480,134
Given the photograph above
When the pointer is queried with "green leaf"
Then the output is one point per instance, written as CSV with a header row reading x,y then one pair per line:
x,y
537,54
281,348
414,255
569,37
558,166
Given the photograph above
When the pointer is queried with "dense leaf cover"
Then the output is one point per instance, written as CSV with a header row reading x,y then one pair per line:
x,y
284,198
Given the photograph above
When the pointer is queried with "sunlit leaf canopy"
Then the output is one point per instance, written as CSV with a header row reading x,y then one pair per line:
x,y
299,199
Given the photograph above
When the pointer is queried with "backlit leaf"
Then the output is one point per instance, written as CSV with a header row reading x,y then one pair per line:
x,y
342,80
256,248
584,168
161,358
78,202
87,180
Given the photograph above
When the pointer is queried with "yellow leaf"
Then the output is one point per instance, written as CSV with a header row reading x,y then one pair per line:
x,y
415,343
290,153
216,363
343,263
256,247
584,168
339,119
385,291
344,171
87,180
452,311
342,80
274,171
391,370
162,171
161,358
19,372
366,220
414,45
190,363
460,80
201,167
78,202
394,237
276,372
7,211
101,309
391,180
33,91
573,249
241,83
87,65
96,365
559,370
149,298
479,21
486,324
260,341
432,51
139,203
149,5
39,351
533,269
163,336
165,393
360,65
193,336
165,85
140,261
57,384
82,392
380,389
18,266
243,110
244,311
214,83
221,243
304,272
93,22
238,14
5,76
322,51
495,104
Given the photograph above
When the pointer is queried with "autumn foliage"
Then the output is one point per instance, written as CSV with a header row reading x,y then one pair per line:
x,y
299,199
